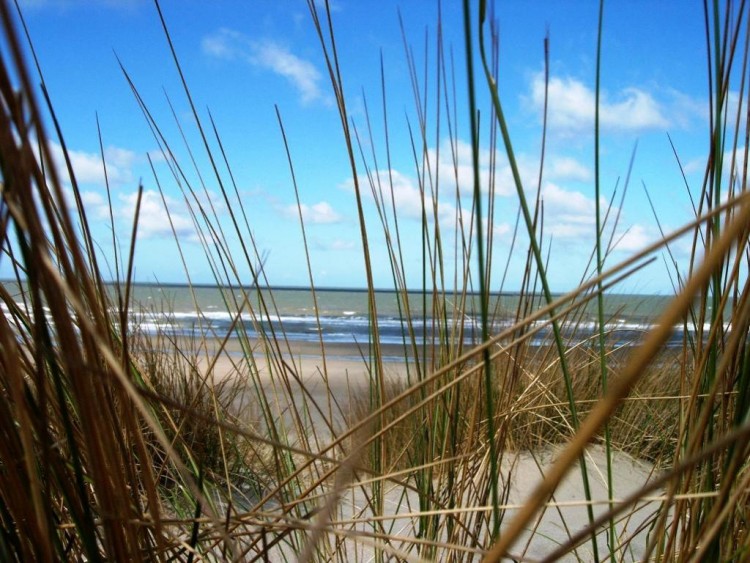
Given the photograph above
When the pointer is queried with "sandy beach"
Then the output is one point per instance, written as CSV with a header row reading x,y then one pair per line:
x,y
341,371
332,381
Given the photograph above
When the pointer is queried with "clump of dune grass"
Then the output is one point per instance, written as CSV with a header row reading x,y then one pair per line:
x,y
196,397
536,409
126,447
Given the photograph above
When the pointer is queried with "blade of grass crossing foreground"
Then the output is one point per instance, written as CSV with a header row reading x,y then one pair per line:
x,y
611,539
20,178
477,197
307,258
536,251
377,375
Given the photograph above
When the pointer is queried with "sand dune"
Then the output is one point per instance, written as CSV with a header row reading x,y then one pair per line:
x,y
345,373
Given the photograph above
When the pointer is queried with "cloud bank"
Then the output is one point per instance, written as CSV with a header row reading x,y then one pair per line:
x,y
267,54
572,104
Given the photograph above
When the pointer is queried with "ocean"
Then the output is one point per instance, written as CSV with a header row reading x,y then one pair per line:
x,y
341,315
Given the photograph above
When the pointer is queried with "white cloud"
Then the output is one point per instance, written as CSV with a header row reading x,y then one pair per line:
x,y
209,200
685,109
403,192
500,231
572,103
94,203
566,168
318,213
117,156
223,44
302,74
635,238
561,168
528,169
568,214
153,220
567,202
455,165
88,168
738,157
694,165
270,55
93,199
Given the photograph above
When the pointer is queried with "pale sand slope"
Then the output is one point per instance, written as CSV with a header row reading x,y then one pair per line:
x,y
351,521
566,514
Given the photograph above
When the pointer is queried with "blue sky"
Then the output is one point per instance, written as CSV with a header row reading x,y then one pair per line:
x,y
241,59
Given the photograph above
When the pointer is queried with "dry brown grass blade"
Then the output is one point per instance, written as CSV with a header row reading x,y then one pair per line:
x,y
628,378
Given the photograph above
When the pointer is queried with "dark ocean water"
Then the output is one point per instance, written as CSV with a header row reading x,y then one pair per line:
x,y
342,316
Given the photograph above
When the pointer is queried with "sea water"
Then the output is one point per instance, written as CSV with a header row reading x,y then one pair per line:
x,y
347,316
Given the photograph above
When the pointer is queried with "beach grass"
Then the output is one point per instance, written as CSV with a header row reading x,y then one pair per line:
x,y
124,445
